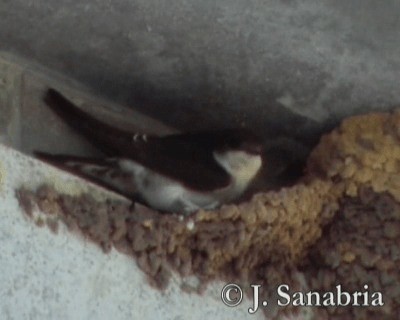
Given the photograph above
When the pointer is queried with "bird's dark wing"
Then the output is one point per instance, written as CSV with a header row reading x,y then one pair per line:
x,y
186,161
185,158
111,140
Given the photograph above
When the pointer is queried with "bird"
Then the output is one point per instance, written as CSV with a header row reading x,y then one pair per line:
x,y
179,173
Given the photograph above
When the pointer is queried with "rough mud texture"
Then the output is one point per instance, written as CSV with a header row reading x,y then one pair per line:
x,y
361,247
363,152
265,240
249,243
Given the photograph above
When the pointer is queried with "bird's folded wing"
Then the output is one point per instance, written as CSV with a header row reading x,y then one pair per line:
x,y
173,156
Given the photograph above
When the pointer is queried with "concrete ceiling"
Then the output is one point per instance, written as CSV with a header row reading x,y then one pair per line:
x,y
280,67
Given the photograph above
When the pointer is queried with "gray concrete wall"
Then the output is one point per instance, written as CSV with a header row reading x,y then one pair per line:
x,y
291,66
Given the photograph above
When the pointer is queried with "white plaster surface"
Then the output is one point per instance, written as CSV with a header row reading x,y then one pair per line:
x,y
62,276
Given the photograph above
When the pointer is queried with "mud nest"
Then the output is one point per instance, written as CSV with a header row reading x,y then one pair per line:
x,y
338,225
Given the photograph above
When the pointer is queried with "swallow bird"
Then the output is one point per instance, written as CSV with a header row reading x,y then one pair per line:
x,y
176,173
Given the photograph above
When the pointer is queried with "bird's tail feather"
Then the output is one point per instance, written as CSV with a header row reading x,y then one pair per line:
x,y
109,139
65,160
101,171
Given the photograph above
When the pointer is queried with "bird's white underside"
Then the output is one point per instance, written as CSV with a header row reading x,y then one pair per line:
x,y
167,194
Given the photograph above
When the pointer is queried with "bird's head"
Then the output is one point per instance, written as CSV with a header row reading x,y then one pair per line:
x,y
239,152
